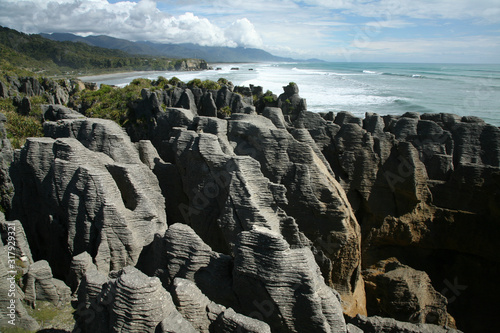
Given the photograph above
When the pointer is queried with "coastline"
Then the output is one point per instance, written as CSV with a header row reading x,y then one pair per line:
x,y
384,88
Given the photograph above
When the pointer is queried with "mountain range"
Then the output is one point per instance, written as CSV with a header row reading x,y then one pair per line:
x,y
185,50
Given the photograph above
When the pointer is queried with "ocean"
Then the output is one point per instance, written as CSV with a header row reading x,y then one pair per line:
x,y
383,88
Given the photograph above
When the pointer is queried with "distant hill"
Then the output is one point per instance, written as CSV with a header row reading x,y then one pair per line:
x,y
186,50
38,54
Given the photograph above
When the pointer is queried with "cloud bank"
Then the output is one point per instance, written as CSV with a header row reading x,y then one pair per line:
x,y
124,19
290,28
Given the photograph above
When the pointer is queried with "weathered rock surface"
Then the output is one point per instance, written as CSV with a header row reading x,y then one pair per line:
x,y
276,209
80,264
12,309
6,157
290,101
40,285
377,324
132,302
397,291
207,316
284,284
267,280
418,186
99,198
57,112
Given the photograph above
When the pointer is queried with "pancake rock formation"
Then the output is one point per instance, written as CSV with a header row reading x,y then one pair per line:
x,y
234,210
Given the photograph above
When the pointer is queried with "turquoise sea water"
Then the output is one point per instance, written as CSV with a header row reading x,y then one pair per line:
x,y
384,88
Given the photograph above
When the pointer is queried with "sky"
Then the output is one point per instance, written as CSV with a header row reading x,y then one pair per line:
x,y
438,31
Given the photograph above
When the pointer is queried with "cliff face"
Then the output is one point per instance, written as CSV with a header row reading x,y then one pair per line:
x,y
270,219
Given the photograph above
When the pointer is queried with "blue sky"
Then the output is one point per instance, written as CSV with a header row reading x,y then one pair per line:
x,y
441,31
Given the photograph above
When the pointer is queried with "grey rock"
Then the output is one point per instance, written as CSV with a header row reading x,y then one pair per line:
x,y
15,230
4,90
186,256
296,162
54,112
353,329
31,86
377,324
10,293
208,107
405,294
148,154
98,135
61,95
290,101
79,200
187,101
40,285
406,128
230,321
24,107
80,265
344,117
133,302
276,116
192,304
6,158
414,115
284,284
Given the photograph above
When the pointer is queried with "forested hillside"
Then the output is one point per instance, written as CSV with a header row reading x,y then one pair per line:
x,y
37,54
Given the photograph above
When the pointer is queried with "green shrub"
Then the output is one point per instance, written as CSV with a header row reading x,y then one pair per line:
x,y
160,82
174,81
268,99
195,83
223,81
225,111
19,128
211,85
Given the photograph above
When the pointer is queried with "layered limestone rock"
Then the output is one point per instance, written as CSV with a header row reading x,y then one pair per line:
x,y
6,157
249,170
93,195
40,285
267,280
378,324
131,302
390,280
13,263
207,316
312,197
284,284
423,189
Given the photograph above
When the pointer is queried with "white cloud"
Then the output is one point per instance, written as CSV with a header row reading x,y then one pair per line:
x,y
125,19
294,28
243,33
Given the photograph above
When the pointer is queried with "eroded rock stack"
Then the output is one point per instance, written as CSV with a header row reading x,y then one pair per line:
x,y
279,219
